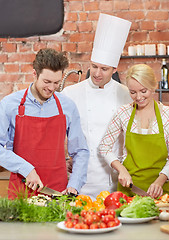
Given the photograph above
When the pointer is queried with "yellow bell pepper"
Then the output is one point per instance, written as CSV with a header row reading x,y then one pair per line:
x,y
84,201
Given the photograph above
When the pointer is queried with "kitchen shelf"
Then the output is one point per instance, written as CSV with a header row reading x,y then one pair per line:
x,y
147,56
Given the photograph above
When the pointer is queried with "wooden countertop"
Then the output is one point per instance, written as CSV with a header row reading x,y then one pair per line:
x,y
45,231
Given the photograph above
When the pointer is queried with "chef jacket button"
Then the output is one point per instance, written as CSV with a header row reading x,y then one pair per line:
x,y
41,109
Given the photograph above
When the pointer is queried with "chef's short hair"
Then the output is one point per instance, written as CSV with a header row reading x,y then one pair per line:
x,y
144,74
49,58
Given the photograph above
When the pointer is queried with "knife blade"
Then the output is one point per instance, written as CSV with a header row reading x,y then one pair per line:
x,y
51,192
138,190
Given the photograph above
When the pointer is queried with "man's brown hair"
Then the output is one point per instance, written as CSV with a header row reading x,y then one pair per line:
x,y
49,58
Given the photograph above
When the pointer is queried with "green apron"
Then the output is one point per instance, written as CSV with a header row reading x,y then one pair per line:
x,y
146,156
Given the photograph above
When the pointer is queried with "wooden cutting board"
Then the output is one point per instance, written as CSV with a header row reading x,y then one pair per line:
x,y
165,228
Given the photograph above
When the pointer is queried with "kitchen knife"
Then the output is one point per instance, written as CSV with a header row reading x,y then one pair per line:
x,y
138,190
51,192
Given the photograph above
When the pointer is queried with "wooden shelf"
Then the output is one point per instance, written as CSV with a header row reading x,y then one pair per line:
x,y
147,56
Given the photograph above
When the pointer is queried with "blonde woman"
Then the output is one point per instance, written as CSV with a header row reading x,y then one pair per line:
x,y
145,124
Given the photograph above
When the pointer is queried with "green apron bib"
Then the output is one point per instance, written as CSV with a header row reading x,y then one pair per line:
x,y
146,156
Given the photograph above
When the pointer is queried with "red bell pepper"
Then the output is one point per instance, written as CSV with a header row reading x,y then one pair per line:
x,y
115,200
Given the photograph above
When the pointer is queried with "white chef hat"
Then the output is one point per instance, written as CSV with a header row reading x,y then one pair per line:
x,y
110,38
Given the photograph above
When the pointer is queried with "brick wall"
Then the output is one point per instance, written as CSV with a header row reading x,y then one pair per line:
x,y
150,24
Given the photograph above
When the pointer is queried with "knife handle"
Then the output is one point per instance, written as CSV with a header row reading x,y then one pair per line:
x,y
24,181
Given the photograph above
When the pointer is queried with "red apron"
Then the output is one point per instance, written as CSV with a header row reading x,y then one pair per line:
x,y
40,141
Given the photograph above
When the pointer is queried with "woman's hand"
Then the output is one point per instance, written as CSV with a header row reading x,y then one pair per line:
x,y
124,177
156,188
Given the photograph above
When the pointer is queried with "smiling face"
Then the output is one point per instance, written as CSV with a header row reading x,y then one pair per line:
x,y
141,95
101,74
46,84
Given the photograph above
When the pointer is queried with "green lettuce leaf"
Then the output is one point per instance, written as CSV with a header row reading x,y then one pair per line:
x,y
140,207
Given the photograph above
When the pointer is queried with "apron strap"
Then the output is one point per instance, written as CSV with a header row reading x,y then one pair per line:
x,y
131,118
58,104
21,108
159,119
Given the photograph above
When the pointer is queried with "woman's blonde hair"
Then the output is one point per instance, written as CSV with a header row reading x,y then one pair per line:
x,y
143,74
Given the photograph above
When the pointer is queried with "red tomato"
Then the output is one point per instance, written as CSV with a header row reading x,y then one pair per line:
x,y
78,226
107,218
83,213
84,226
104,212
88,221
75,222
117,221
99,214
91,212
112,212
76,216
93,226
69,214
68,224
111,224
95,218
103,225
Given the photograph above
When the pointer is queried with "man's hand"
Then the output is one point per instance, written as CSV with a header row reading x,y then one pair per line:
x,y
33,181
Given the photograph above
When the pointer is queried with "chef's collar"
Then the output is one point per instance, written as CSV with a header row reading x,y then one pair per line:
x,y
97,87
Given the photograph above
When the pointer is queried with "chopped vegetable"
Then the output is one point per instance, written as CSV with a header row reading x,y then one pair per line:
x,y
140,207
115,200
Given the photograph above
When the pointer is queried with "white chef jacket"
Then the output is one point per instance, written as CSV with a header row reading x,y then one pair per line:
x,y
96,107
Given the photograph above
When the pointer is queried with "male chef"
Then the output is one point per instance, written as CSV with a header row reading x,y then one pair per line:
x,y
34,123
98,98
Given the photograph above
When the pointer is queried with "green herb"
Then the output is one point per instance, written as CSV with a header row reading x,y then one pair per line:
x,y
140,207
21,210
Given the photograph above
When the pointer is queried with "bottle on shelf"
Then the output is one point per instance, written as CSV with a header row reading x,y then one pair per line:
x,y
164,75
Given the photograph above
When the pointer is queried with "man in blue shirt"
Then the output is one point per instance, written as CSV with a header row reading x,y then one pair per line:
x,y
34,124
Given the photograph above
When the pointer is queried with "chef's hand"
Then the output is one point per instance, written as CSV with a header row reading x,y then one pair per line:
x,y
33,181
70,190
124,177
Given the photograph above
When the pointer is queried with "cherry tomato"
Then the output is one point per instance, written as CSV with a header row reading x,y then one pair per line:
x,y
112,212
88,221
103,225
107,218
69,214
78,226
95,218
93,226
75,222
111,224
83,213
117,221
76,216
68,224
104,212
84,226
